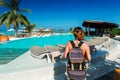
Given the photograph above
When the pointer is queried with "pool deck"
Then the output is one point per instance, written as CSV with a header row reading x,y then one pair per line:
x,y
26,67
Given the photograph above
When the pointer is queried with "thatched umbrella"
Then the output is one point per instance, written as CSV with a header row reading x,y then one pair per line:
x,y
99,26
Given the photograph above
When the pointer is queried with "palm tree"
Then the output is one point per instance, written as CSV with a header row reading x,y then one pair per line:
x,y
13,15
71,30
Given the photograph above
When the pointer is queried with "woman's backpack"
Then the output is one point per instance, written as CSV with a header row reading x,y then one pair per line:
x,y
75,55
76,58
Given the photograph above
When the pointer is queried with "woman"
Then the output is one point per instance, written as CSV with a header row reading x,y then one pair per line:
x,y
79,36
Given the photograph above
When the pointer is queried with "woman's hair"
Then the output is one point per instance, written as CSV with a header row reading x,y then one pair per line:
x,y
78,33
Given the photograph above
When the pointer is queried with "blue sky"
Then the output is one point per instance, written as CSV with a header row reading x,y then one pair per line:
x,y
63,14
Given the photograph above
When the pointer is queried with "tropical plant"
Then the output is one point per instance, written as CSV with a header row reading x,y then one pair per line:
x,y
71,30
30,27
116,31
14,14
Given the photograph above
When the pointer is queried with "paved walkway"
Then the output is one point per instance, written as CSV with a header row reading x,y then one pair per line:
x,y
108,76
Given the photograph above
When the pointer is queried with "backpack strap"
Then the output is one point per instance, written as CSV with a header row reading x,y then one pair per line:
x,y
72,43
80,44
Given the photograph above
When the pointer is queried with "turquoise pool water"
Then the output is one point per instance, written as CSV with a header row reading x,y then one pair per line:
x,y
39,41
12,49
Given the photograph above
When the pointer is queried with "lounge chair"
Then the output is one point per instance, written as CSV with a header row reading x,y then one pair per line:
x,y
92,49
39,53
97,41
60,45
56,51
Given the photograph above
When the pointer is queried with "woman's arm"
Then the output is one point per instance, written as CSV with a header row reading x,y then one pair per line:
x,y
87,52
66,50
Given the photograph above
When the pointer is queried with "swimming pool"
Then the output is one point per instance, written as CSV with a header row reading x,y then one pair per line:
x,y
39,41
12,49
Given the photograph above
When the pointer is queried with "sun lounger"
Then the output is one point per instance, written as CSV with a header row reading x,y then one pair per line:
x,y
92,49
60,45
55,48
56,51
97,40
39,53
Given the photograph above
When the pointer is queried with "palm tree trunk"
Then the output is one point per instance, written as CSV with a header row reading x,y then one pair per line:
x,y
16,30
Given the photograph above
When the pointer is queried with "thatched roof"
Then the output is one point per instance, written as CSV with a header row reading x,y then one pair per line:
x,y
97,24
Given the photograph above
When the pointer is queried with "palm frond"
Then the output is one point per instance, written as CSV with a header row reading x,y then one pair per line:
x,y
7,5
26,10
1,2
9,19
7,23
24,20
18,2
14,23
3,20
4,14
13,3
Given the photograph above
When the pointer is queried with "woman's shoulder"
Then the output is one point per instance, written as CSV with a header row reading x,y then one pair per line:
x,y
68,43
85,44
